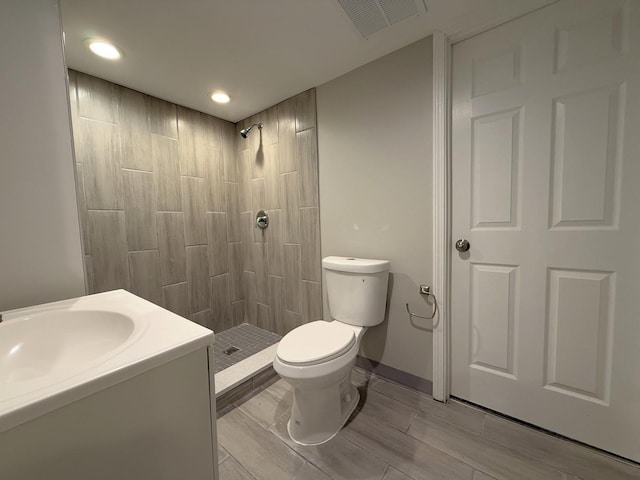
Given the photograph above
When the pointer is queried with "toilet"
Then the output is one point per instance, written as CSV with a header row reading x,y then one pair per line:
x,y
317,358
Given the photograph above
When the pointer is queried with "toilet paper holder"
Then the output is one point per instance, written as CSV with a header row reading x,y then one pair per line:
x,y
426,291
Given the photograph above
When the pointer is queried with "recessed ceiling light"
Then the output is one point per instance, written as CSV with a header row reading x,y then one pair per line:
x,y
220,97
105,49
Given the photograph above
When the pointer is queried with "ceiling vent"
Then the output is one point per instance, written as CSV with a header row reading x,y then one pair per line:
x,y
371,16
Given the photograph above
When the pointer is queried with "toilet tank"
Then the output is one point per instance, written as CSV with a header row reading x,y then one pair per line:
x,y
356,289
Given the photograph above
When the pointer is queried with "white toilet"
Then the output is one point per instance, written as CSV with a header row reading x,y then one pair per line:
x,y
317,358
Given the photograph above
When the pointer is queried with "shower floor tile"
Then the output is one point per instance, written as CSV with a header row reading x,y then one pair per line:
x,y
240,343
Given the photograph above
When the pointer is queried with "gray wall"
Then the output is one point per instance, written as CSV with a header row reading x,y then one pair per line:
x,y
374,139
279,173
40,251
158,195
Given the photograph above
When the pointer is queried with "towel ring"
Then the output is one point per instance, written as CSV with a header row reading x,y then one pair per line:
x,y
425,290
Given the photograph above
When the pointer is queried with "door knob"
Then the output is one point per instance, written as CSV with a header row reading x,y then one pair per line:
x,y
463,245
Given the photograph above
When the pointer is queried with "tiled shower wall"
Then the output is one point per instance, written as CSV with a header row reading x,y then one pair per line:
x,y
278,168
168,198
158,193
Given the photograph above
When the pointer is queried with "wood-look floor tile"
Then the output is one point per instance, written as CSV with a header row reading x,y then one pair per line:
x,y
479,452
280,389
393,474
386,409
565,455
363,378
230,469
454,412
222,453
339,458
254,448
405,453
265,408
478,475
309,471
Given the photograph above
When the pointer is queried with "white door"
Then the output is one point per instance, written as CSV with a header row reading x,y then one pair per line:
x,y
546,188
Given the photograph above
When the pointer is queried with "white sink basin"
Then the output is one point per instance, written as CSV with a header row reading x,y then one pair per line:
x,y
59,343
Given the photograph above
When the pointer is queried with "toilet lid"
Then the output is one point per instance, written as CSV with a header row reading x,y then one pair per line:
x,y
314,342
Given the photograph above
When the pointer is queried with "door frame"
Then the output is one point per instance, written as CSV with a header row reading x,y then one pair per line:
x,y
441,179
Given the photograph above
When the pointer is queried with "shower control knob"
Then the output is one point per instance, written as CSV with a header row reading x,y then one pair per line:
x,y
463,245
262,219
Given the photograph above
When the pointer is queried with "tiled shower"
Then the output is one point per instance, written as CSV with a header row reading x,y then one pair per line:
x,y
168,198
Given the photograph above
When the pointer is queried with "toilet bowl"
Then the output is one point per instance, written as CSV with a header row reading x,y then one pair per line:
x,y
317,358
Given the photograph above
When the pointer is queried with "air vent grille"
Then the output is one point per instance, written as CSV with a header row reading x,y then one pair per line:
x,y
371,16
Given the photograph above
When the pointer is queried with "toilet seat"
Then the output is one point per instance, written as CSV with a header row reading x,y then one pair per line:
x,y
315,342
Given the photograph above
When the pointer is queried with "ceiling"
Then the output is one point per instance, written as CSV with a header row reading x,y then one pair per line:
x,y
258,51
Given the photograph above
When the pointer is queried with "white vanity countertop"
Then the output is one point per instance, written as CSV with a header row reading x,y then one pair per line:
x,y
148,337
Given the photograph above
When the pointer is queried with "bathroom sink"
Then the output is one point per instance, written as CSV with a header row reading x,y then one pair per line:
x,y
59,343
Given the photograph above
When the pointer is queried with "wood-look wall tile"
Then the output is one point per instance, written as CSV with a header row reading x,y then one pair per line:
x,y
204,318
235,271
275,254
257,194
218,243
140,210
133,125
272,177
277,304
263,319
307,153
96,98
247,225
99,152
144,272
238,312
73,98
270,126
109,250
290,211
211,131
176,299
311,301
229,156
166,166
260,266
163,118
221,303
287,135
257,204
195,226
244,168
292,270
292,320
251,294
188,137
198,278
171,245
214,174
310,243
306,110
88,271
257,162
233,211
82,208
241,143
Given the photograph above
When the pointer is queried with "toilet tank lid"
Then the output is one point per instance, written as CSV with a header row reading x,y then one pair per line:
x,y
356,265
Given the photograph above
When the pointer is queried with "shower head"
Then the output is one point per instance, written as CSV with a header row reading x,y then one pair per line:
x,y
245,131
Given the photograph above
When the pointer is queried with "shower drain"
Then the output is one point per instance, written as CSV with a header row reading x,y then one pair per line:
x,y
231,350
